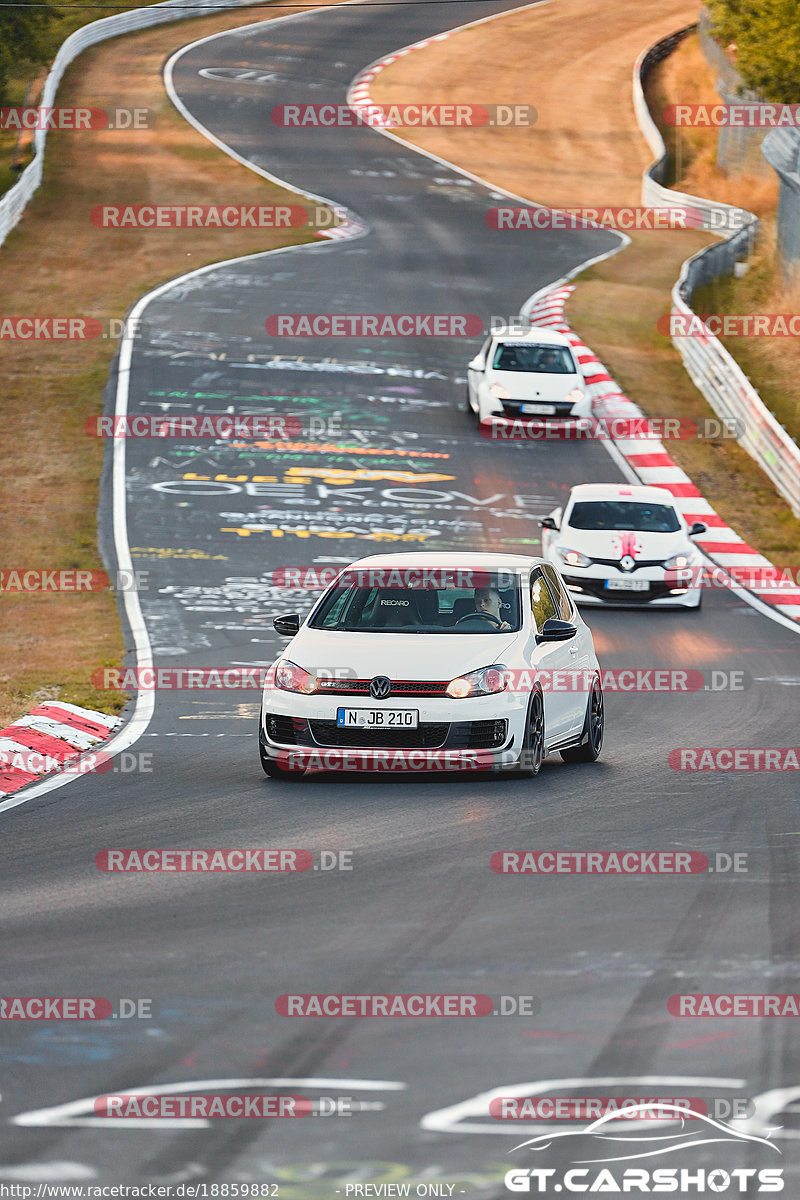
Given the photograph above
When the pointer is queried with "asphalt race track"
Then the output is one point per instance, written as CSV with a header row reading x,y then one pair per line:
x,y
421,910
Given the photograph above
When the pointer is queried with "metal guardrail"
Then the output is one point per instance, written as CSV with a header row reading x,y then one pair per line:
x,y
712,369
781,149
14,201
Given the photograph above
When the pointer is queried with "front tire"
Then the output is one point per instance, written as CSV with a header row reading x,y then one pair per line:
x,y
593,729
532,756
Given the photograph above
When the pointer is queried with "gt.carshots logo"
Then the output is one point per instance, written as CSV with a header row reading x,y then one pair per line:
x,y
429,1004
374,325
677,1180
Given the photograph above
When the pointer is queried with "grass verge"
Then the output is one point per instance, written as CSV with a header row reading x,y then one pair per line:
x,y
56,263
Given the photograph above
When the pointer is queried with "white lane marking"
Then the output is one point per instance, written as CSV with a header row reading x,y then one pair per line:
x,y
44,1172
72,1113
451,1118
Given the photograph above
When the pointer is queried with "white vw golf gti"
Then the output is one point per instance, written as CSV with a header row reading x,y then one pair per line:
x,y
616,543
431,662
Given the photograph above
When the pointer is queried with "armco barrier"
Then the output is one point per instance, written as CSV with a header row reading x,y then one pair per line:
x,y
712,369
12,204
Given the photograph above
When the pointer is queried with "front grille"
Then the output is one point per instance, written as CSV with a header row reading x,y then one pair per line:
x,y
595,587
513,408
637,562
425,737
477,735
400,687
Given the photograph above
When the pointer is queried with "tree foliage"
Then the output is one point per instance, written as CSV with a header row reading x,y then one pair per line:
x,y
766,34
23,39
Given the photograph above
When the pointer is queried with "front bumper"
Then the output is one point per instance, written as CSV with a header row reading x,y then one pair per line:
x,y
300,733
589,588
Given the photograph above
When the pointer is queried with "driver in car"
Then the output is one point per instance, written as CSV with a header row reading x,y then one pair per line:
x,y
487,603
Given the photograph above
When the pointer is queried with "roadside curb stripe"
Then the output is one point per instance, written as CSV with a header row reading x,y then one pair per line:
x,y
54,731
657,468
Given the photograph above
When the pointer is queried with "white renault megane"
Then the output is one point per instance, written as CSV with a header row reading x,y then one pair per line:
x,y
431,662
621,544
526,373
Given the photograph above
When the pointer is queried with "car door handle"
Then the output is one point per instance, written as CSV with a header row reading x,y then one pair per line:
x,y
573,651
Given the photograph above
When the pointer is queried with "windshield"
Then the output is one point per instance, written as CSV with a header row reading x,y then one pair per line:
x,y
624,514
490,608
540,360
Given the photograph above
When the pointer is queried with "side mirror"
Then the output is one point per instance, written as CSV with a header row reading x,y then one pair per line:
x,y
288,625
554,630
698,527
476,364
548,523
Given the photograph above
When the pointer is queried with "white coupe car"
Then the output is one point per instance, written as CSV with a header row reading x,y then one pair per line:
x,y
522,373
431,662
624,544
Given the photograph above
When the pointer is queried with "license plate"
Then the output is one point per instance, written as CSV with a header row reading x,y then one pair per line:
x,y
542,410
627,585
377,718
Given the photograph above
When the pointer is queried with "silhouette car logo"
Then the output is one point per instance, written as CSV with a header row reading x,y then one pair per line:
x,y
380,687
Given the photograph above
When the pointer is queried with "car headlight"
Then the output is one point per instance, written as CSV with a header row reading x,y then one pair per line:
x,y
498,392
574,396
483,682
677,561
573,558
292,678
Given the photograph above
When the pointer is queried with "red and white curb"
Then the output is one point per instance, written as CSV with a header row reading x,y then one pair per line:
x,y
358,96
653,465
51,738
